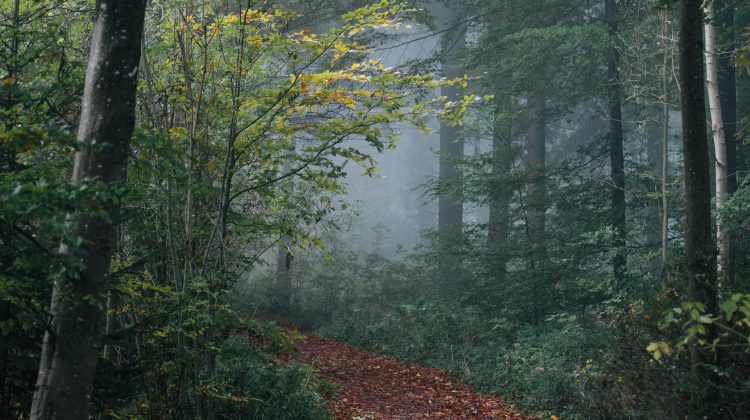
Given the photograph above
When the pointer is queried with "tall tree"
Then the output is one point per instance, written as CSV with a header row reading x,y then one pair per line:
x,y
700,254
717,128
653,133
450,209
536,187
498,223
727,81
71,343
617,155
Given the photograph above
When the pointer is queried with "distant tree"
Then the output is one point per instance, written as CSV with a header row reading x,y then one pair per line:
x,y
616,152
536,185
450,208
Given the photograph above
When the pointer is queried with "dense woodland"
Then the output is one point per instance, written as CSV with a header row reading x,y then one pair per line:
x,y
177,183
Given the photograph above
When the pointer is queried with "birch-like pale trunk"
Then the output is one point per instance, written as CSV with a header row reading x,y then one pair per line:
x,y
717,129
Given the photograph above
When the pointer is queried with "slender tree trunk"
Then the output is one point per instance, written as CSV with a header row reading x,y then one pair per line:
x,y
654,155
71,343
699,244
617,156
498,218
284,260
284,277
728,97
536,202
450,209
728,88
664,178
536,189
720,147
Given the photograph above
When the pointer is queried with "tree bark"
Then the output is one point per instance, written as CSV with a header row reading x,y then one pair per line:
x,y
497,234
284,277
728,98
664,180
728,88
284,259
617,156
536,189
654,139
71,343
450,209
720,147
700,252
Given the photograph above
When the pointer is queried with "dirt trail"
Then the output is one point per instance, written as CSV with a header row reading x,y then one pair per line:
x,y
378,387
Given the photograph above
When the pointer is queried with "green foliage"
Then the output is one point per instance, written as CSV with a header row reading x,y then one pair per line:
x,y
592,363
244,131
252,386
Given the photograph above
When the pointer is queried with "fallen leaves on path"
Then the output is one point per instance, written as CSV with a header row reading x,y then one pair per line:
x,y
378,387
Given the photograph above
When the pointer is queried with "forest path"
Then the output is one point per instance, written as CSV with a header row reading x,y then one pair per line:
x,y
379,387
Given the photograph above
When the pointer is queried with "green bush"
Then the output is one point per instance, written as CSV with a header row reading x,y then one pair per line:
x,y
250,385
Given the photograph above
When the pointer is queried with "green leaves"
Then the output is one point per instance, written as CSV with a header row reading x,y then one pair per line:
x,y
731,324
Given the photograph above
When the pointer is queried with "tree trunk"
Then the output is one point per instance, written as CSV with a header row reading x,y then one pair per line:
x,y
284,277
536,189
664,181
728,99
654,139
666,75
497,234
71,343
720,147
699,245
617,156
450,209
728,88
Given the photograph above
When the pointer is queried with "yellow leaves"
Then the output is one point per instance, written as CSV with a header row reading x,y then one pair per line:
x,y
304,36
212,23
228,19
341,50
327,78
303,87
363,93
659,348
344,98
160,334
178,133
253,15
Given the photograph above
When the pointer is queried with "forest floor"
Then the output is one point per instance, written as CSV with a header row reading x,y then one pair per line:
x,y
378,387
